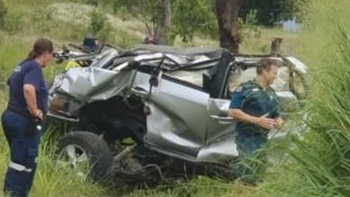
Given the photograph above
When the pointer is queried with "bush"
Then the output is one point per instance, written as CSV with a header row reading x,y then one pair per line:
x,y
14,23
98,21
190,17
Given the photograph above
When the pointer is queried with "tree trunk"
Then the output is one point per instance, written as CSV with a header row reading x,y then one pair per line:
x,y
227,14
163,22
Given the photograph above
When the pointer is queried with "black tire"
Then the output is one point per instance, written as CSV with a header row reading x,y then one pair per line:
x,y
97,152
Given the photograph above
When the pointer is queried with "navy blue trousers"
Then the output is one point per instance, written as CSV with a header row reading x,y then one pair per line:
x,y
24,149
252,157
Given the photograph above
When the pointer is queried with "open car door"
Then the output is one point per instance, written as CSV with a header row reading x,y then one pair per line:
x,y
223,79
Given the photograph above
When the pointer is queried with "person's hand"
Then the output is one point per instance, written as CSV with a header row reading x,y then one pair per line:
x,y
279,122
266,123
39,114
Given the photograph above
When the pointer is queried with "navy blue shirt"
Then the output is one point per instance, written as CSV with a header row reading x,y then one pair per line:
x,y
27,72
252,99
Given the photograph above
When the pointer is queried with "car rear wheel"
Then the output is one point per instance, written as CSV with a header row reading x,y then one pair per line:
x,y
87,154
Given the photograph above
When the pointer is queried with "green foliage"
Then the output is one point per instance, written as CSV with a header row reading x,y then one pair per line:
x,y
42,18
92,2
271,11
98,21
13,23
247,29
105,33
190,17
3,12
124,38
251,17
145,11
199,187
12,51
187,17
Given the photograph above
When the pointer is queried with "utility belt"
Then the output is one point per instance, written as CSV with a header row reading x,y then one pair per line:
x,y
34,124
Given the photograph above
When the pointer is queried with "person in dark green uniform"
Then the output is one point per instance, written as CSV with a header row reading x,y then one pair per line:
x,y
255,106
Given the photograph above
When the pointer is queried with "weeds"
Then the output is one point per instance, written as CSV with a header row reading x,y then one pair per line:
x,y
318,163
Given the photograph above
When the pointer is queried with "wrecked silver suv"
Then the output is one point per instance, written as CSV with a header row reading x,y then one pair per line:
x,y
155,111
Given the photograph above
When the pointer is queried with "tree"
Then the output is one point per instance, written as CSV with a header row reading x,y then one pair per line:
x,y
190,17
227,15
187,17
155,15
169,18
163,21
267,12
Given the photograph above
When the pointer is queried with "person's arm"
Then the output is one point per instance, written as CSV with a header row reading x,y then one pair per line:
x,y
30,97
236,105
32,81
241,116
261,121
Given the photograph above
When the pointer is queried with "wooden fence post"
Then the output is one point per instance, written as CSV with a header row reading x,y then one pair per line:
x,y
276,46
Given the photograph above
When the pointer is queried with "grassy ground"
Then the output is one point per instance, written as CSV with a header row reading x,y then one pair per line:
x,y
314,46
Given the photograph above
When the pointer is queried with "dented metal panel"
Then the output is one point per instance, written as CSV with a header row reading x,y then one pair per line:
x,y
177,119
93,84
220,150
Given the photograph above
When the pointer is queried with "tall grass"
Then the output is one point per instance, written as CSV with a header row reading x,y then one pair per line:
x,y
318,164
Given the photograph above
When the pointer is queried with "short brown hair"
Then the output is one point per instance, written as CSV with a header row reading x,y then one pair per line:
x,y
265,64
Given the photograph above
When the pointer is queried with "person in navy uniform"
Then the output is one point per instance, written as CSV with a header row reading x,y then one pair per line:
x,y
255,106
91,43
22,120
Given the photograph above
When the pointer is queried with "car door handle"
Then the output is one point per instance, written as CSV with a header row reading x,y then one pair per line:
x,y
223,119
140,91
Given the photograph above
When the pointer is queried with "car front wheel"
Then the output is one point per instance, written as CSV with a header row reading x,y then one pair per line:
x,y
87,154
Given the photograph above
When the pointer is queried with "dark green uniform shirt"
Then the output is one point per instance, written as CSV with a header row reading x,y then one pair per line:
x,y
252,99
